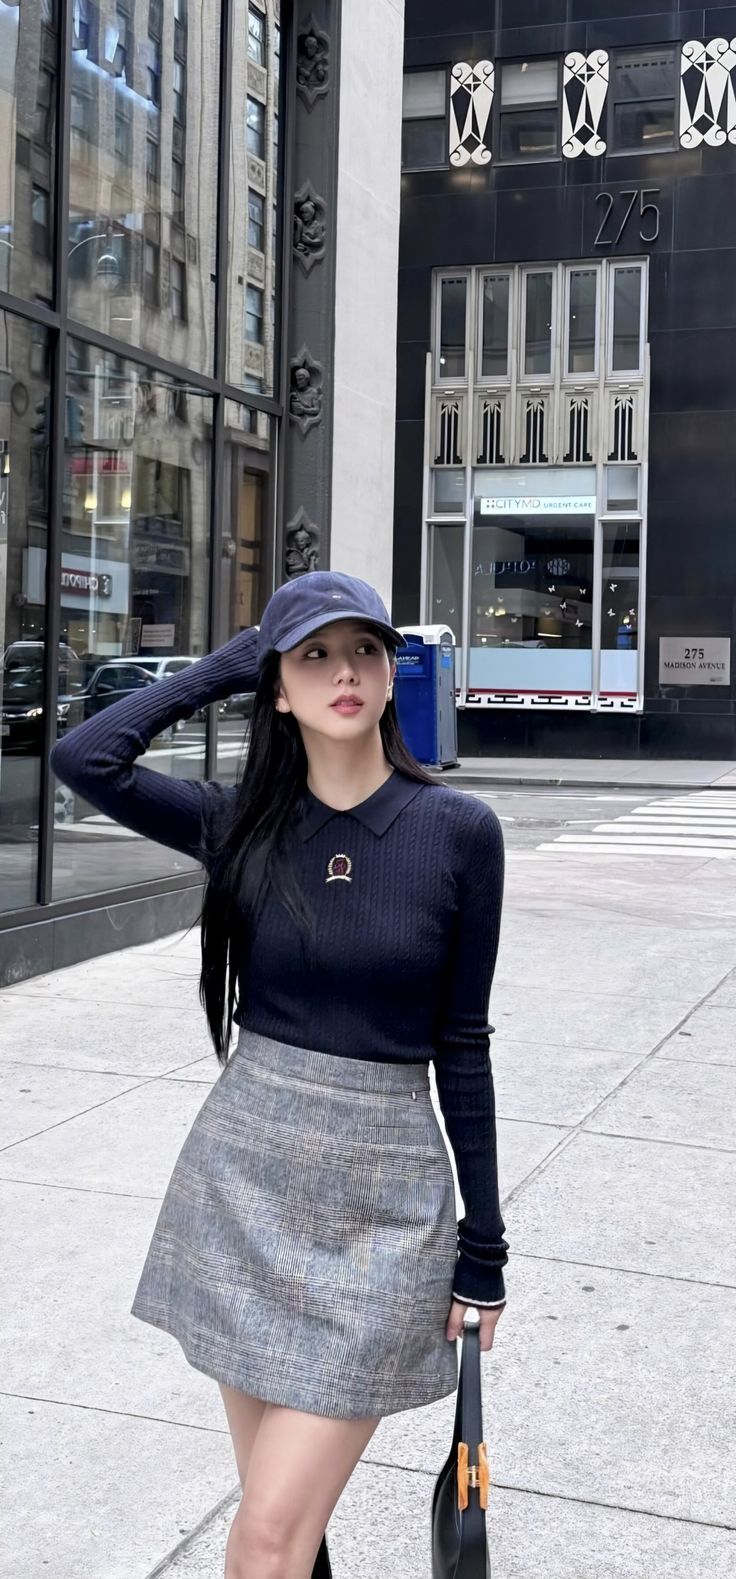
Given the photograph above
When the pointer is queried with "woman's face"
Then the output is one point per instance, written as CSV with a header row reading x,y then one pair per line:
x,y
336,682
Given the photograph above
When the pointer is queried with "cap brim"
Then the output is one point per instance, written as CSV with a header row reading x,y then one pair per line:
x,y
308,627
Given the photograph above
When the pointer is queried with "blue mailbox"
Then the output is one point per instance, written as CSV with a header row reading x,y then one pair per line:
x,y
425,694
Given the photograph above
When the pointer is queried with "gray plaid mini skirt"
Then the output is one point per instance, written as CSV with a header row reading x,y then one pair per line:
x,y
306,1245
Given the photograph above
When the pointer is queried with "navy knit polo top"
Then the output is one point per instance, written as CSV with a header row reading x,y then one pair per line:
x,y
404,951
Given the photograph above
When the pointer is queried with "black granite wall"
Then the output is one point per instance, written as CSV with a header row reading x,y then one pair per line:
x,y
519,213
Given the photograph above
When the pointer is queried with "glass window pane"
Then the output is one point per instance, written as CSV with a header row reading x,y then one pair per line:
x,y
423,144
453,296
538,329
134,580
28,44
532,604
627,284
446,579
24,518
622,487
425,94
256,37
253,281
644,74
117,203
532,82
495,352
619,610
646,126
530,134
582,323
449,491
243,590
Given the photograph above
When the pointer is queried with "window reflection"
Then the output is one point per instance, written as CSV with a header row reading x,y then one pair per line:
x,y
134,568
242,577
24,503
28,48
143,175
252,254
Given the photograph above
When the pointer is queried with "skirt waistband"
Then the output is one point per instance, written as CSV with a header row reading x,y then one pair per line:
x,y
330,1069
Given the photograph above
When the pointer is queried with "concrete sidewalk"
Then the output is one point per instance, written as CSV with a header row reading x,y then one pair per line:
x,y
609,1395
591,772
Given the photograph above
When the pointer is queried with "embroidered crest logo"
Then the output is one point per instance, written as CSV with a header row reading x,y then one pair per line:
x,y
339,868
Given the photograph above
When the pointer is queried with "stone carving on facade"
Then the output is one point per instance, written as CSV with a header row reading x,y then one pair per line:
x,y
305,398
584,96
309,227
708,93
302,545
312,63
471,101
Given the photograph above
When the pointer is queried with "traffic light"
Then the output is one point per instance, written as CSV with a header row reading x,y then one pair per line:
x,y
74,424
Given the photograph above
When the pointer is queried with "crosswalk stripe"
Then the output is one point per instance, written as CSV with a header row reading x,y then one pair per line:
x,y
698,825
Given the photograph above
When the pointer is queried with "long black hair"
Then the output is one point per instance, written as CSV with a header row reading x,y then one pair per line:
x,y
249,853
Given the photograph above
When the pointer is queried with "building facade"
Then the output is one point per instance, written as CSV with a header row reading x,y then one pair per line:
x,y
566,478
181,187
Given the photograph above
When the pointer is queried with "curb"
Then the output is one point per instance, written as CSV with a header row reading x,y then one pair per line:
x,y
471,781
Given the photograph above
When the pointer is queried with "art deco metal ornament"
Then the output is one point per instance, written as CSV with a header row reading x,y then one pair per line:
x,y
708,93
302,546
312,63
309,229
471,101
584,94
305,399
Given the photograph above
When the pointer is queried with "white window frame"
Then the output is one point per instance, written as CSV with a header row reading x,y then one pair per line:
x,y
566,375
623,375
445,381
496,380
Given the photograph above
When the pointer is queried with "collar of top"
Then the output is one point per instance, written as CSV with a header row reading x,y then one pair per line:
x,y
376,813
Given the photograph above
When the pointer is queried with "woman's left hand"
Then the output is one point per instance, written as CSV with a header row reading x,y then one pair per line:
x,y
488,1322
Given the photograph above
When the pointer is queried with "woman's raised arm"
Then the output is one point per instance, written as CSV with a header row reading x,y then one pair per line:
x,y
98,758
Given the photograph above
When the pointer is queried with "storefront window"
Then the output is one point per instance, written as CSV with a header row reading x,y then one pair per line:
x,y
622,488
24,520
446,584
28,46
134,583
244,559
620,608
449,492
130,208
252,244
532,584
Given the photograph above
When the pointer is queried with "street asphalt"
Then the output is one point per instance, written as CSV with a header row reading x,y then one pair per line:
x,y
610,1393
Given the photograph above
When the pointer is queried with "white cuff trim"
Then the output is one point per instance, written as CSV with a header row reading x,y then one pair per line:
x,y
482,1304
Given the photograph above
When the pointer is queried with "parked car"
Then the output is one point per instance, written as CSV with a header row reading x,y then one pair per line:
x,y
21,709
159,669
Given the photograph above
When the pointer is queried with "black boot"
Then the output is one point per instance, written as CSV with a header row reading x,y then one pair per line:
x,y
322,1567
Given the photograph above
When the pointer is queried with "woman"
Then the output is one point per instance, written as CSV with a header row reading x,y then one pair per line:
x,y
306,1251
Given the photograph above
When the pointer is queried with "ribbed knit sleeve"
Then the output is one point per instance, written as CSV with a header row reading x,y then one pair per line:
x,y
98,757
462,1064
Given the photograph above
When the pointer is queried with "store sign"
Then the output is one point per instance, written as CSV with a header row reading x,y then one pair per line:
x,y
531,504
694,660
86,583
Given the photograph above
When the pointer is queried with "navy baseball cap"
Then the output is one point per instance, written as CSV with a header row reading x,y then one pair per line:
x,y
319,598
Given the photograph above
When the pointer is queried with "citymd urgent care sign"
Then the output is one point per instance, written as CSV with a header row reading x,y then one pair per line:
x,y
694,660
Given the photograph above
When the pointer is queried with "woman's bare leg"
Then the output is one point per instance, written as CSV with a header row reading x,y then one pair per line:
x,y
244,1415
296,1467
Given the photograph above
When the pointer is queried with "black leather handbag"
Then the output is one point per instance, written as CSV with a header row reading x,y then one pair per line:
x,y
460,1498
